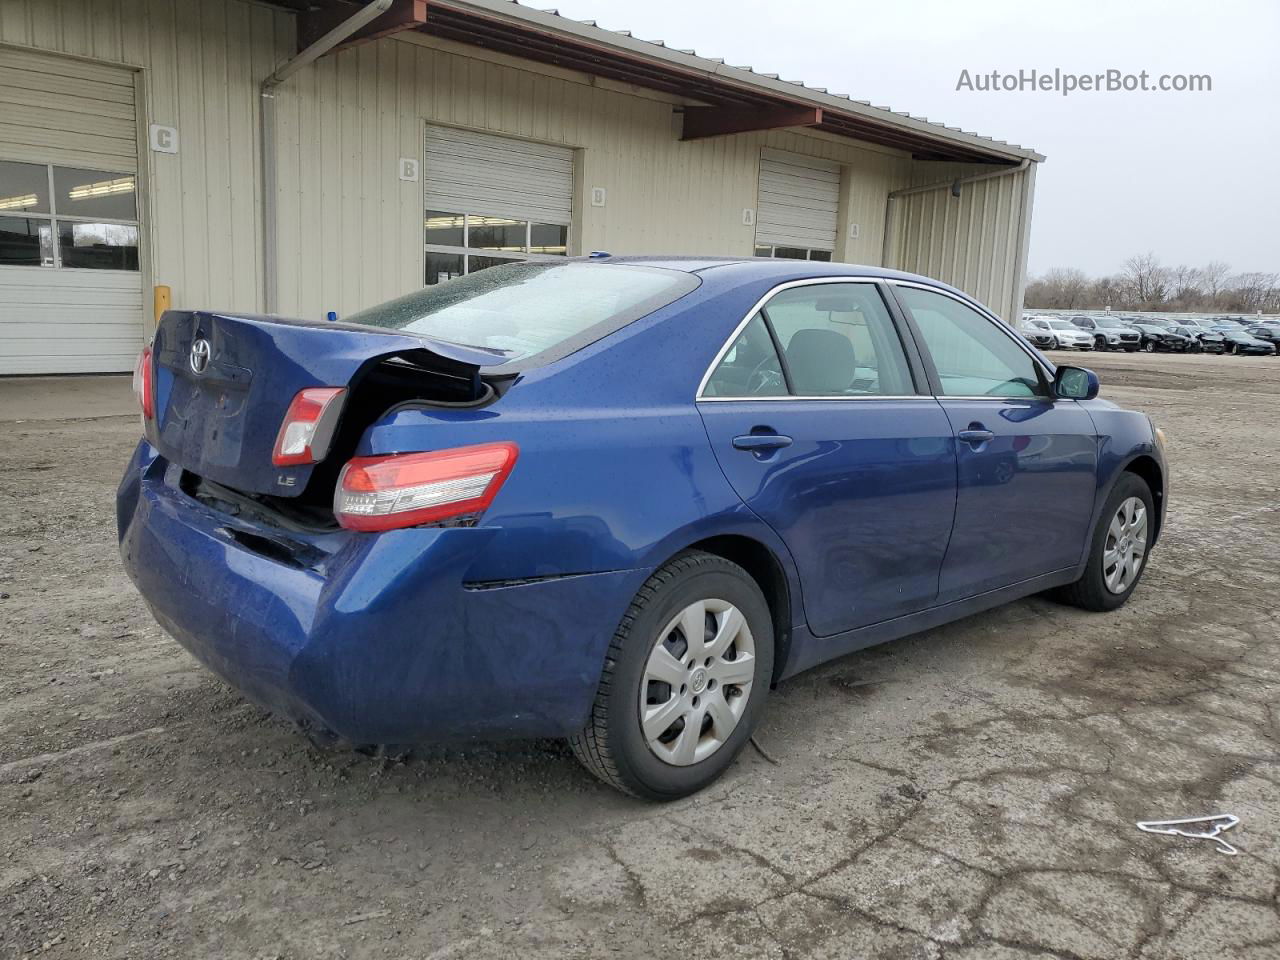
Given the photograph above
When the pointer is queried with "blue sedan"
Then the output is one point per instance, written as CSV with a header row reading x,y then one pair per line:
x,y
614,500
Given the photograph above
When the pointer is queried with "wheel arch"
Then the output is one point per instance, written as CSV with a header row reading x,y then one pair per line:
x,y
766,562
1149,470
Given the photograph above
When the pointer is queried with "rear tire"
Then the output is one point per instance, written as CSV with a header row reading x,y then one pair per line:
x,y
615,746
1150,346
1103,586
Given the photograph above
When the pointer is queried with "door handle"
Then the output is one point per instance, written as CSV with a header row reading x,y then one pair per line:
x,y
762,441
976,436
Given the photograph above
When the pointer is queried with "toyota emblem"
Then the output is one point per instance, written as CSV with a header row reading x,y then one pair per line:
x,y
200,352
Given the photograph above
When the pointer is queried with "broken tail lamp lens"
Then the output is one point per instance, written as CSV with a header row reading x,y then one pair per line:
x,y
413,489
308,427
144,384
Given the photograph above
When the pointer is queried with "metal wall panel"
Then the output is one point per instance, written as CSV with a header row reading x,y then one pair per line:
x,y
972,241
798,201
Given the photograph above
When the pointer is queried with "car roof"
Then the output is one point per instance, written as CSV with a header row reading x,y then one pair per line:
x,y
768,267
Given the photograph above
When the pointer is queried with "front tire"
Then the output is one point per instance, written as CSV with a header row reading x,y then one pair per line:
x,y
1118,550
1150,346
674,708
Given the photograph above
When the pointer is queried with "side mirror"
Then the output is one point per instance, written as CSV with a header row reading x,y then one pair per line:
x,y
1075,383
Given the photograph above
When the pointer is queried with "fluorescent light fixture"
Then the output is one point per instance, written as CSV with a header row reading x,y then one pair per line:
x,y
103,188
19,203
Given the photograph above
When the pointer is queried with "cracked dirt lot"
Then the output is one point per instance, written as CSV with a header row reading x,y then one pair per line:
x,y
966,793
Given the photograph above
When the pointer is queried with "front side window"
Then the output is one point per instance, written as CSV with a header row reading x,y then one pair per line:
x,y
520,309
973,356
67,217
836,340
458,244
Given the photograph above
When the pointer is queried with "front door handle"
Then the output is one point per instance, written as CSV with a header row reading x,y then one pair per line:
x,y
976,436
762,441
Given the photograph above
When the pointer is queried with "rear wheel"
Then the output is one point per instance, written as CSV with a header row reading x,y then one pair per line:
x,y
1150,346
1118,551
684,682
1099,342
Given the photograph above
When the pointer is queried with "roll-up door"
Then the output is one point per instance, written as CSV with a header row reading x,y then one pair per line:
x,y
492,199
796,210
70,289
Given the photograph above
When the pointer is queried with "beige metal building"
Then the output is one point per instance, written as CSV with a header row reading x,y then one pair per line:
x,y
196,145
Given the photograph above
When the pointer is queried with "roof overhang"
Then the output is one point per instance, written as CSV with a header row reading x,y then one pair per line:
x,y
726,99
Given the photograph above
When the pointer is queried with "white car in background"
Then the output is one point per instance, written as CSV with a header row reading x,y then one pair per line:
x,y
1066,335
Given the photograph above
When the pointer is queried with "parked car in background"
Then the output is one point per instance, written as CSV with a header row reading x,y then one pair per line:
x,y
1109,333
1240,341
1067,336
449,516
1270,332
1156,336
1202,340
1038,333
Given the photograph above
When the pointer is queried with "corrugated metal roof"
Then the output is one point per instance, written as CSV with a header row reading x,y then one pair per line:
x,y
519,30
767,82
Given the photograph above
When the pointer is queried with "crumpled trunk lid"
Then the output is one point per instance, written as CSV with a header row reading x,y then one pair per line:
x,y
224,382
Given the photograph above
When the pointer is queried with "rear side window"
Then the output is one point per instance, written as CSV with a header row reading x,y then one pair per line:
x,y
523,309
838,340
751,368
973,356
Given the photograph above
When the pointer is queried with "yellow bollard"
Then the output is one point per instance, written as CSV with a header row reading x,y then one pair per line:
x,y
164,300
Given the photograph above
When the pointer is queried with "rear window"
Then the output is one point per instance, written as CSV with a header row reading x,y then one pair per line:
x,y
522,309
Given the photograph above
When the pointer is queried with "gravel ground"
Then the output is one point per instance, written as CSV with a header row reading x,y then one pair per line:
x,y
969,792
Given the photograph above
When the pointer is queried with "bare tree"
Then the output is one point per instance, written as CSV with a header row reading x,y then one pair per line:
x,y
1213,277
1185,283
1148,281
1145,285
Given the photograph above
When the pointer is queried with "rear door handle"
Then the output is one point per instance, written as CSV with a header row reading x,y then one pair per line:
x,y
976,437
762,441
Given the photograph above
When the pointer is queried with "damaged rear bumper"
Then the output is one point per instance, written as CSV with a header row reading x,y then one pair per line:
x,y
382,639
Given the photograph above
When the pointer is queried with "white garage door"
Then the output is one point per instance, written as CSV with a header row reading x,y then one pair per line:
x,y
70,289
492,200
797,206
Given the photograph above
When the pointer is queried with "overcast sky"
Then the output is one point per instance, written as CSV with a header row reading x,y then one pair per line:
x,y
1192,177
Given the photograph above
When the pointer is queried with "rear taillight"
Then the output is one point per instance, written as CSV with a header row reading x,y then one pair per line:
x,y
308,426
411,489
144,385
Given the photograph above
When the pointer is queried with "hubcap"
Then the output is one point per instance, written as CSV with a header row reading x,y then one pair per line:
x,y
1126,546
697,682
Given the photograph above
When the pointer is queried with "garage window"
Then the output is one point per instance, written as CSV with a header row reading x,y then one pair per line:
x,y
462,243
491,200
67,218
795,253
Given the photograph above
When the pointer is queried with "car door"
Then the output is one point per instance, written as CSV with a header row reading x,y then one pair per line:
x,y
1027,463
816,419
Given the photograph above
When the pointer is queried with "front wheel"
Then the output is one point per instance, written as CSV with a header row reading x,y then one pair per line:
x,y
684,682
1118,551
1150,346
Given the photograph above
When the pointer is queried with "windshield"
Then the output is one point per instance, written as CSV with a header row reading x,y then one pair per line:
x,y
522,309
1062,325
